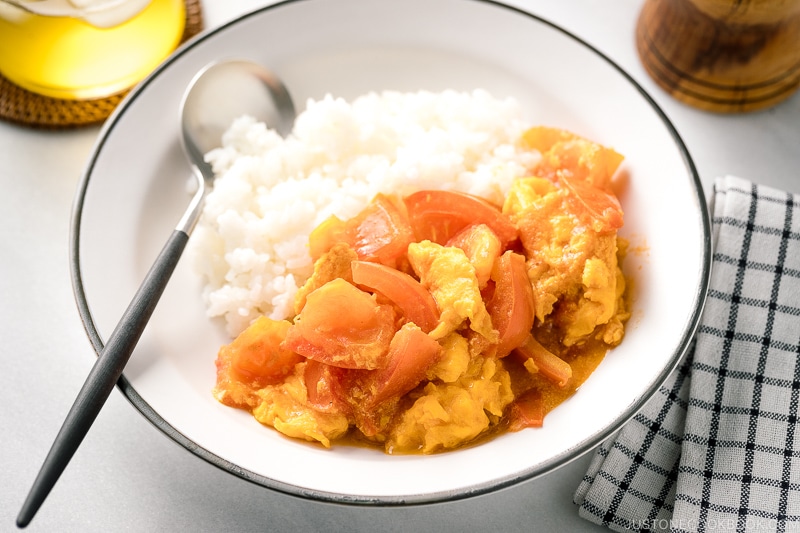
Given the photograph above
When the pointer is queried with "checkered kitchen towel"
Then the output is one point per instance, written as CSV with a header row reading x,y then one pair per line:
x,y
718,447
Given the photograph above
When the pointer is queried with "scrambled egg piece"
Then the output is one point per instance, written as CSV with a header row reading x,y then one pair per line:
x,y
454,360
285,408
333,264
448,414
569,262
449,276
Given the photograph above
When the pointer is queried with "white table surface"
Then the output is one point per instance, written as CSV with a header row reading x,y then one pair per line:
x,y
127,476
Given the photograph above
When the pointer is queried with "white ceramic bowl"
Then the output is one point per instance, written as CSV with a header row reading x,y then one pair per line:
x,y
133,193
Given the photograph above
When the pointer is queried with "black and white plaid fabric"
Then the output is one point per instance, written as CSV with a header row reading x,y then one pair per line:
x,y
718,447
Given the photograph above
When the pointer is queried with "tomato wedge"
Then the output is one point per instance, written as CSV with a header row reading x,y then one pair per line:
x,y
527,411
549,364
380,232
511,305
416,303
324,388
343,326
256,355
600,208
563,151
411,354
439,215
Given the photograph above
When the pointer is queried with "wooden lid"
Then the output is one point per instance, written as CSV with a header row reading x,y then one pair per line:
x,y
725,56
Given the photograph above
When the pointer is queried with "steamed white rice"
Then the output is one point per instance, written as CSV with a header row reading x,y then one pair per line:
x,y
251,244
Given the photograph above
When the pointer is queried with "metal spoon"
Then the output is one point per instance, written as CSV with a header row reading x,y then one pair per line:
x,y
216,96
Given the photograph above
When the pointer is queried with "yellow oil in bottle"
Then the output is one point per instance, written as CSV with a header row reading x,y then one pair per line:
x,y
65,57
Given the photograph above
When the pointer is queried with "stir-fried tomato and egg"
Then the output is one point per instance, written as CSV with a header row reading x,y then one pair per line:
x,y
436,318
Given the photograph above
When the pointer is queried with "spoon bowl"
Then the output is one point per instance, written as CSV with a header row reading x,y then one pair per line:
x,y
217,95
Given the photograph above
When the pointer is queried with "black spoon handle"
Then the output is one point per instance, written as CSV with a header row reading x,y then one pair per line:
x,y
104,375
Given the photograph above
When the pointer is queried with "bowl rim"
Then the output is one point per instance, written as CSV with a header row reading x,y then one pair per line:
x,y
196,449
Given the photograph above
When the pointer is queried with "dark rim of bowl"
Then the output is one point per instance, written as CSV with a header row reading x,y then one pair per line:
x,y
412,499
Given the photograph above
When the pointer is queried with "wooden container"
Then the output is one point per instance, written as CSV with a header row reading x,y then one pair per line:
x,y
722,55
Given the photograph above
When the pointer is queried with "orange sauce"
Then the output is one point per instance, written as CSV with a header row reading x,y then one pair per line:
x,y
583,359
